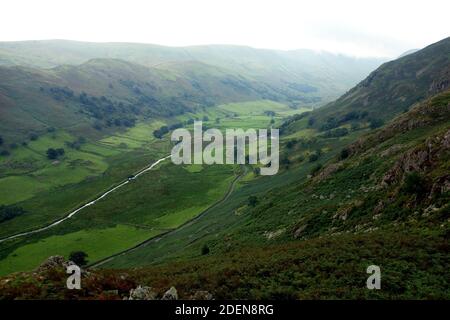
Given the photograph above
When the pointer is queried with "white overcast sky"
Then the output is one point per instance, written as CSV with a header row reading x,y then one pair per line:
x,y
360,28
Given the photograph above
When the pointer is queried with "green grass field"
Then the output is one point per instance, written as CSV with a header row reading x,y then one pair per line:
x,y
161,199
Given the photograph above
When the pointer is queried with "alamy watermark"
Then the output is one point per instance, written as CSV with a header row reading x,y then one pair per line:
x,y
238,147
374,280
74,280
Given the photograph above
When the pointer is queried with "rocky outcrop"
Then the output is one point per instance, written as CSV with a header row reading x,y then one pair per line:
x,y
54,262
432,111
142,293
328,171
420,159
299,231
201,295
170,294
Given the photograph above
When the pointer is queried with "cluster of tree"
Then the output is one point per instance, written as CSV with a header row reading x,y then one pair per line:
x,y
60,93
375,123
296,117
335,133
126,122
76,144
10,212
269,113
333,122
53,154
159,133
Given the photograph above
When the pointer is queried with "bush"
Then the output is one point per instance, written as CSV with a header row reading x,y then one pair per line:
x,y
313,157
160,132
79,258
376,123
54,153
205,249
10,212
414,183
252,201
344,154
316,169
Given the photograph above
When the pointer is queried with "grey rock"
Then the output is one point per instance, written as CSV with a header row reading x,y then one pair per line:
x,y
142,293
170,294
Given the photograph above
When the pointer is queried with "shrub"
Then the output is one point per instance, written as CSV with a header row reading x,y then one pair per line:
x,y
10,212
375,123
252,201
316,169
313,157
54,153
79,258
344,154
205,249
414,183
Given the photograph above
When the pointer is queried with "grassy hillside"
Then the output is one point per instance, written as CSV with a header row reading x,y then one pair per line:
x,y
305,75
157,202
383,201
312,239
393,88
103,96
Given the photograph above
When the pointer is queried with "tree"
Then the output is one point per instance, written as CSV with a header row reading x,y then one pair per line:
x,y
313,157
414,184
344,154
205,118
252,201
311,121
10,212
52,153
79,258
1,140
33,137
376,123
205,249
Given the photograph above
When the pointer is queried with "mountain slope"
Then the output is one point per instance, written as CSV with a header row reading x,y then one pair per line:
x,y
296,72
313,239
395,86
99,91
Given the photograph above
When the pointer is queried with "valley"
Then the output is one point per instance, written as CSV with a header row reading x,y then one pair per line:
x,y
363,179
